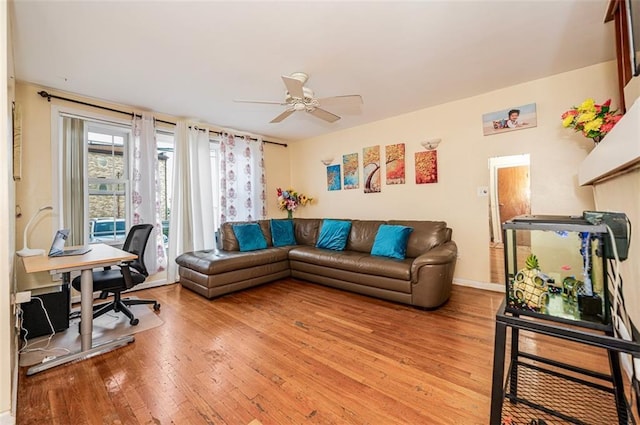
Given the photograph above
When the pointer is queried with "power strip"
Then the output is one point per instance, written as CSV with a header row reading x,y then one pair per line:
x,y
23,297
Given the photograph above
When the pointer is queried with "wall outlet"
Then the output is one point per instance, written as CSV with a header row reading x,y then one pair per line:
x,y
23,297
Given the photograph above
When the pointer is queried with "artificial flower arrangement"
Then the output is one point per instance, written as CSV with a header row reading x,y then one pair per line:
x,y
594,121
289,200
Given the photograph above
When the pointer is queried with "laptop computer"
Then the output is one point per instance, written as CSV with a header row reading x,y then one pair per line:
x,y
57,247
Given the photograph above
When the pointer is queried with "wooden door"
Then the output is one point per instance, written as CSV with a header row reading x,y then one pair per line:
x,y
514,197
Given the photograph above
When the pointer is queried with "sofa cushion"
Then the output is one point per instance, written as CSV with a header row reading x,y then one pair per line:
x,y
249,236
214,262
334,234
228,237
306,230
362,235
282,233
391,241
352,261
425,235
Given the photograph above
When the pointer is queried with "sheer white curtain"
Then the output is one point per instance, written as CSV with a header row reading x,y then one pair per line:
x,y
145,189
191,222
242,181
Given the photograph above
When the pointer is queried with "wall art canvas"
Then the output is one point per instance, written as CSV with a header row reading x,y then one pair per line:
x,y
510,119
371,169
351,171
395,163
427,167
17,141
333,177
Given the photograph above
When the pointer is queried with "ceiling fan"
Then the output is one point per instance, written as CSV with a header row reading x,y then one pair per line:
x,y
301,98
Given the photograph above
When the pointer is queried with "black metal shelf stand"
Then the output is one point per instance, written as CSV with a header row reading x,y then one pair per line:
x,y
540,390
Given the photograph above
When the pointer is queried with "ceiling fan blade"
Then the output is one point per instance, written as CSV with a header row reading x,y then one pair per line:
x,y
294,87
282,116
324,115
347,100
268,102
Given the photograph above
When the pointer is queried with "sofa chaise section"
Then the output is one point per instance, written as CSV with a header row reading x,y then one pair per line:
x,y
212,273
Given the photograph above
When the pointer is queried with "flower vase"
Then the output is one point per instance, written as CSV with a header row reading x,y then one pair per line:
x,y
597,139
289,214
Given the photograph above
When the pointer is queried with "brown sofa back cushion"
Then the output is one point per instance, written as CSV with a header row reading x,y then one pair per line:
x,y
229,241
425,235
306,230
363,233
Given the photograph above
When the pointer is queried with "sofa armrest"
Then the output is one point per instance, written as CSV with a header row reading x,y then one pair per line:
x,y
441,254
432,276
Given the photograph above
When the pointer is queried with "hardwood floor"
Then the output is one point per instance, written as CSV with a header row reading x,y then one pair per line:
x,y
290,352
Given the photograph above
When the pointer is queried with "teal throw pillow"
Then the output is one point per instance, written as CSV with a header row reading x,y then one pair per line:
x,y
391,241
334,234
249,236
282,233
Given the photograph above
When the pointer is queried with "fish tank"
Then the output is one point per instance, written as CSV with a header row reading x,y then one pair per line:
x,y
555,268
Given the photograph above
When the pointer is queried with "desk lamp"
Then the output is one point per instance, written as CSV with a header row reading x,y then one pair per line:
x,y
26,251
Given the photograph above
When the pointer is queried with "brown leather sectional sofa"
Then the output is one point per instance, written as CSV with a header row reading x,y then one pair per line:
x,y
422,279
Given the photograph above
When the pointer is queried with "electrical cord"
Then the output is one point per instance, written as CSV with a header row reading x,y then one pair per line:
x,y
46,348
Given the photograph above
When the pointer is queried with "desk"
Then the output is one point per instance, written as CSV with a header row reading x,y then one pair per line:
x,y
101,255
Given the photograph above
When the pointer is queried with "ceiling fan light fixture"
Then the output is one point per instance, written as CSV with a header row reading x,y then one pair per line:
x,y
298,98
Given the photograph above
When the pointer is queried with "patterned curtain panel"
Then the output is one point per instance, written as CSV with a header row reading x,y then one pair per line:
x,y
242,181
145,204
191,225
73,179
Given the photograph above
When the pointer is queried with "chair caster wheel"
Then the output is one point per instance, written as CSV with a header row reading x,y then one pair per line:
x,y
134,322
156,307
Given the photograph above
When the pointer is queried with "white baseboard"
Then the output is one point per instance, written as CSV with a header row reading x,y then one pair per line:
x,y
6,418
496,287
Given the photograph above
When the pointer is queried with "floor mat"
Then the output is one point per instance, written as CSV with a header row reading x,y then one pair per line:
x,y
105,328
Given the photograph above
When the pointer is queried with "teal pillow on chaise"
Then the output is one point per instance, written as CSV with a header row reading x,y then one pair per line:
x,y
334,234
282,233
249,236
391,241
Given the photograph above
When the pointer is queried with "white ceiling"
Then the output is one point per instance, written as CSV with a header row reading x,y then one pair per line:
x,y
191,59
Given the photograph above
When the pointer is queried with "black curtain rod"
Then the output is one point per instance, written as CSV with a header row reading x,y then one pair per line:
x,y
49,96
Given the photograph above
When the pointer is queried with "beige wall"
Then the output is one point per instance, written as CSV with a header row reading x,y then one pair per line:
x,y
621,194
463,161
632,92
8,341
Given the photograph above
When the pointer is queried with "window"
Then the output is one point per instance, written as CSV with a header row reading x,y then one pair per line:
x,y
92,190
108,183
165,143
94,182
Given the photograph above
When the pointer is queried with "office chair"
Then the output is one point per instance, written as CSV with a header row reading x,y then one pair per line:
x,y
126,276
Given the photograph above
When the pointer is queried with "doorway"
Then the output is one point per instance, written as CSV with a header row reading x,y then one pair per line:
x,y
509,197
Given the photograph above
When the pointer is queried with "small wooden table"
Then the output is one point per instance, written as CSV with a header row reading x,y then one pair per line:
x,y
101,255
